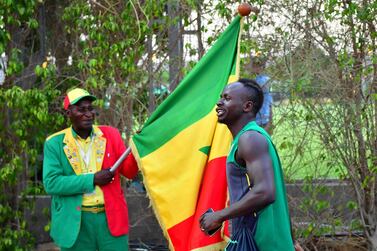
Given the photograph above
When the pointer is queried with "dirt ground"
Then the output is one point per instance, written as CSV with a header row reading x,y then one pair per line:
x,y
337,244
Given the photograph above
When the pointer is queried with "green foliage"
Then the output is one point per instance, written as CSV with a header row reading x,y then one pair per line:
x,y
13,238
108,41
110,54
27,116
27,112
302,152
15,14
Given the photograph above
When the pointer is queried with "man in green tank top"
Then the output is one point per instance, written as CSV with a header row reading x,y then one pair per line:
x,y
258,207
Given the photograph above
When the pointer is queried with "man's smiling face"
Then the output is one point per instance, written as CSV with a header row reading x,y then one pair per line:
x,y
231,103
82,115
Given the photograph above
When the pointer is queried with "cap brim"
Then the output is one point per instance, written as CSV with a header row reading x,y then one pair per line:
x,y
90,97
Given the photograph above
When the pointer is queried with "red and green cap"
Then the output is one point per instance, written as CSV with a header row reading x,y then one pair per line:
x,y
75,95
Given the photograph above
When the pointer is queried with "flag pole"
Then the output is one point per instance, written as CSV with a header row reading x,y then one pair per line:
x,y
120,160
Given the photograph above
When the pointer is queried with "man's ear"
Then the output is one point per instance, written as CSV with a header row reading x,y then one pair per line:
x,y
67,112
248,106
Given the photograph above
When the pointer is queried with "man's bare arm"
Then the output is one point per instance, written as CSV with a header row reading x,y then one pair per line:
x,y
253,153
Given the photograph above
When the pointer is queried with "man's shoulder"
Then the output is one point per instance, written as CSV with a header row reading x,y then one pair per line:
x,y
107,129
252,135
109,132
57,135
252,144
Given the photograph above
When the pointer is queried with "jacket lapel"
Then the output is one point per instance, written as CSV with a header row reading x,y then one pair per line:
x,y
71,151
100,145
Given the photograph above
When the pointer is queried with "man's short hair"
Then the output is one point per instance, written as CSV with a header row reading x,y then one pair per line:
x,y
255,93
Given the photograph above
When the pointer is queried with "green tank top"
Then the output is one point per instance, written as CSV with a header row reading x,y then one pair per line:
x,y
273,231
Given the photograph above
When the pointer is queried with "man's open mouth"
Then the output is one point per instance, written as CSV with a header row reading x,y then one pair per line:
x,y
220,112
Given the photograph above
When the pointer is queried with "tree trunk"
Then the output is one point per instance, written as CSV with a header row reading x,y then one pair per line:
x,y
175,45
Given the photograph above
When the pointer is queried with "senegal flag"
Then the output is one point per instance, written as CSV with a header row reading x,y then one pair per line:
x,y
182,150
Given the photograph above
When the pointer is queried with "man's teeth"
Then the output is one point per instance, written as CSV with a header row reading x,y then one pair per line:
x,y
220,112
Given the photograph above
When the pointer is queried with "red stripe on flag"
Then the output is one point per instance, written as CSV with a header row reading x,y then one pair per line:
x,y
179,234
212,195
187,235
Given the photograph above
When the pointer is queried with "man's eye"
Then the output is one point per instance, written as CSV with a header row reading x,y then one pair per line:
x,y
84,109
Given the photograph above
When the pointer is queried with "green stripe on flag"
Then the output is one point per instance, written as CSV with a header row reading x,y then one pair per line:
x,y
195,96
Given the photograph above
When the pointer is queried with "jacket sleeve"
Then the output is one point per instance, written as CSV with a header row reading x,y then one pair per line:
x,y
129,167
55,181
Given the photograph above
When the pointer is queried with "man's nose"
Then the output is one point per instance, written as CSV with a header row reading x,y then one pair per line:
x,y
89,113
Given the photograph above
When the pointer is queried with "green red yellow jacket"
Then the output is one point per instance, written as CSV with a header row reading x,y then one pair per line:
x,y
63,180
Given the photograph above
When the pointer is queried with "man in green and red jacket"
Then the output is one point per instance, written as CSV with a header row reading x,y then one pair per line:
x,y
88,208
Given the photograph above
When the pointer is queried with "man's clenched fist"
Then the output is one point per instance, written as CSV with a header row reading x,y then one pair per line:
x,y
103,177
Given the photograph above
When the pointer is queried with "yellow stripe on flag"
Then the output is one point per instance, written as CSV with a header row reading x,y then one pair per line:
x,y
180,186
233,78
221,142
214,247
